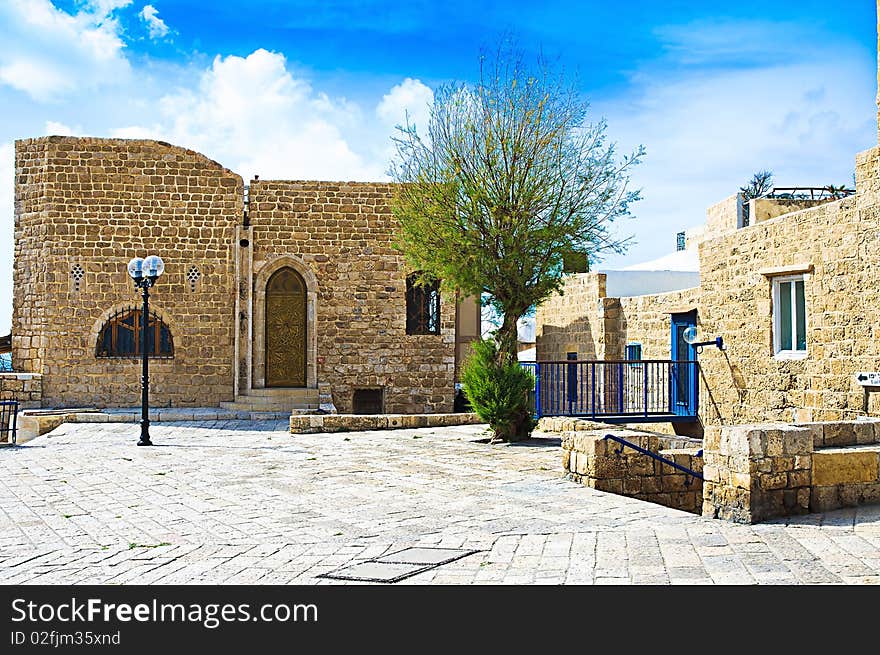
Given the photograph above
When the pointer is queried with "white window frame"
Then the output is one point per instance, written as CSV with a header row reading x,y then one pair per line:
x,y
778,352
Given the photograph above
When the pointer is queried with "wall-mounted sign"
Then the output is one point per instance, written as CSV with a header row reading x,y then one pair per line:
x,y
867,379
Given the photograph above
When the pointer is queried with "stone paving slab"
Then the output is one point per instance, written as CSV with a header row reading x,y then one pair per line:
x,y
242,502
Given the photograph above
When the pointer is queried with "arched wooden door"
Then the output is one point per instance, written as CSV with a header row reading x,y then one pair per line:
x,y
286,329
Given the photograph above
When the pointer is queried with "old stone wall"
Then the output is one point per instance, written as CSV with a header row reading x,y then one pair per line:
x,y
762,471
310,423
594,461
763,209
581,319
836,245
574,320
646,320
724,216
26,388
755,472
342,232
846,464
83,208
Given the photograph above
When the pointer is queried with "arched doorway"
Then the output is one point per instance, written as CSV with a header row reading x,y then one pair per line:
x,y
286,331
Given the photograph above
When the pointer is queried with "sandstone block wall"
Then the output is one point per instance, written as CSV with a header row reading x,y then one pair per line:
x,y
763,209
756,472
309,424
582,319
83,208
343,232
752,473
837,246
846,464
573,321
590,459
647,320
26,388
725,216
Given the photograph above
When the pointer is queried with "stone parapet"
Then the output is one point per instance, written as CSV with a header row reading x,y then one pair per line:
x,y
756,472
314,423
594,461
26,388
845,477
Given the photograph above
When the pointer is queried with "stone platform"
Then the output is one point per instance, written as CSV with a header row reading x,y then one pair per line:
x,y
34,422
311,423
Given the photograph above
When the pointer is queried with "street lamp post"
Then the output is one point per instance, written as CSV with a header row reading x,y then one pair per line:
x,y
145,272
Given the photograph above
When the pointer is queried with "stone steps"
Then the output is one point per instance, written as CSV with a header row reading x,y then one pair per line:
x,y
299,400
300,393
246,404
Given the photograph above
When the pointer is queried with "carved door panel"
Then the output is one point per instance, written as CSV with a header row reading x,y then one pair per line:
x,y
285,329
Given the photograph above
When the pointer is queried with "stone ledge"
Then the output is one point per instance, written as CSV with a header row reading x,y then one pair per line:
x,y
855,464
20,376
314,423
32,423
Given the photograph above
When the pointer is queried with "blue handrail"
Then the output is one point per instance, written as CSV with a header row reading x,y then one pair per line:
x,y
628,444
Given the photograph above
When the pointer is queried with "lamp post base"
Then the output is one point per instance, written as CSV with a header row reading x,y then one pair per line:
x,y
145,435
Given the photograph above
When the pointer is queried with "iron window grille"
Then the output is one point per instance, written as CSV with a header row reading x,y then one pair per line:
x,y
121,336
422,307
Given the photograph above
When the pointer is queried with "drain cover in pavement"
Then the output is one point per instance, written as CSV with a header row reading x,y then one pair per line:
x,y
426,556
399,565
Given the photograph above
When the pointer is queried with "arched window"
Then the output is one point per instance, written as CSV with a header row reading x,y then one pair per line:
x,y
422,307
121,336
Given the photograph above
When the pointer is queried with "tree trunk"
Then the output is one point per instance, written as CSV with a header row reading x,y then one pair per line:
x,y
507,338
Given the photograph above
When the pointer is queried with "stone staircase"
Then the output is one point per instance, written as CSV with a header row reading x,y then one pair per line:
x,y
283,401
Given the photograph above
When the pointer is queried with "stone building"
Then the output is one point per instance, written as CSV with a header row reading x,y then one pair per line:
x,y
791,284
276,296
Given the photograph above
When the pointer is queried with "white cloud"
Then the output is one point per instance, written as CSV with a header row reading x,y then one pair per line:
x,y
47,52
155,25
410,99
254,116
54,128
104,8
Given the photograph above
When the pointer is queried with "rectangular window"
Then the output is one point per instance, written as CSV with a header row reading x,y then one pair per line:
x,y
633,351
789,316
422,307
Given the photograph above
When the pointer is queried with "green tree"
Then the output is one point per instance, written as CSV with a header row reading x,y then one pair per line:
x,y
498,391
508,178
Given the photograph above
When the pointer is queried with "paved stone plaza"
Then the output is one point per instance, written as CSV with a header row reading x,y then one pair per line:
x,y
246,502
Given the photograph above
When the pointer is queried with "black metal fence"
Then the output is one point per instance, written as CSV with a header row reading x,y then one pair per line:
x,y
621,390
8,418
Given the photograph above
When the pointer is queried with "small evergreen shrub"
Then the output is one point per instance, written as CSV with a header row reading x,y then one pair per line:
x,y
499,391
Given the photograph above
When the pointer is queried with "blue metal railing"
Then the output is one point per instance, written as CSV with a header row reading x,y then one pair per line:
x,y
628,444
619,391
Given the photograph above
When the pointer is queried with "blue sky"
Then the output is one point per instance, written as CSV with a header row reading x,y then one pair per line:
x,y
283,88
